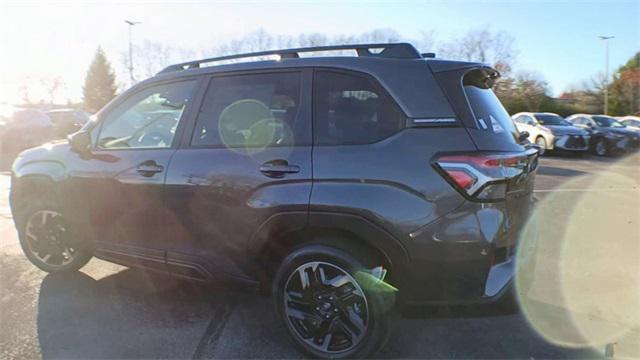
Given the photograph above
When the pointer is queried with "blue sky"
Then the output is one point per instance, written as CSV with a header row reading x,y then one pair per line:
x,y
556,39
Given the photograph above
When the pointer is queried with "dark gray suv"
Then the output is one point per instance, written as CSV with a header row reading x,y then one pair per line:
x,y
345,185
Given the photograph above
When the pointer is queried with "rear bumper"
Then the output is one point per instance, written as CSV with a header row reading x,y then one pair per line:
x,y
467,256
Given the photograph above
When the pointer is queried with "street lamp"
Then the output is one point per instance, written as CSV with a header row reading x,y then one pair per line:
x,y
131,25
606,71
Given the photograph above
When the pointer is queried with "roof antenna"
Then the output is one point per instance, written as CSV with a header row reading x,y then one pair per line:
x,y
429,55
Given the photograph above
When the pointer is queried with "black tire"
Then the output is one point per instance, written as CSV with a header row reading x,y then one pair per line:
x,y
82,252
378,302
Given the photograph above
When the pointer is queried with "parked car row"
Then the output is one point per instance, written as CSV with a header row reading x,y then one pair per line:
x,y
578,133
26,128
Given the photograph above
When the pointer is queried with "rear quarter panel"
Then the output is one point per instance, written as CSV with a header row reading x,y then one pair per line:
x,y
391,182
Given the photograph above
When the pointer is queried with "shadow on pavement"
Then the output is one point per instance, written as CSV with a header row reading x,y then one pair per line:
x,y
557,171
130,314
134,314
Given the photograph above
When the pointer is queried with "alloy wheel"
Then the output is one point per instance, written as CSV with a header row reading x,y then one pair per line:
x,y
325,307
540,141
601,148
47,238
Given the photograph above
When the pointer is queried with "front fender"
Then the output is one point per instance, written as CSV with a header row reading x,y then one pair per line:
x,y
52,170
46,161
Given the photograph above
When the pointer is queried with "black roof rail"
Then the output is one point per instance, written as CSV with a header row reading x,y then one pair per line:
x,y
389,50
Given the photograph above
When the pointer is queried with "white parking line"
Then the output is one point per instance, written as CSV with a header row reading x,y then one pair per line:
x,y
583,190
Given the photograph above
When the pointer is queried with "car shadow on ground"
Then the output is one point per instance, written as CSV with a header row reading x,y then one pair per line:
x,y
135,314
130,314
558,171
567,156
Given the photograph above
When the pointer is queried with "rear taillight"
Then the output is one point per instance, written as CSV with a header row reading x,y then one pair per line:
x,y
485,176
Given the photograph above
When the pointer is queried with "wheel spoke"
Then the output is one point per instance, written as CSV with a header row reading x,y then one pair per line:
x,y
304,278
354,322
294,296
339,281
43,219
326,342
29,231
299,314
346,330
320,276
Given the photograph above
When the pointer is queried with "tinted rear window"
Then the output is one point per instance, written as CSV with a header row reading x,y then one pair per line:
x,y
489,112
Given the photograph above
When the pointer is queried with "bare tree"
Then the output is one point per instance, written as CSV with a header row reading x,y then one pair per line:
x,y
530,90
483,45
52,86
260,40
25,91
426,42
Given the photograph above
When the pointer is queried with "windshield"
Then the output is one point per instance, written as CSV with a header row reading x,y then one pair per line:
x,y
606,121
551,119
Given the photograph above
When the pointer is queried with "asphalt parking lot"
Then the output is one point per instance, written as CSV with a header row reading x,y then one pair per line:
x,y
109,311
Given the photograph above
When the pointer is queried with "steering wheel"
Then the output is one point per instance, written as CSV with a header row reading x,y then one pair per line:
x,y
154,139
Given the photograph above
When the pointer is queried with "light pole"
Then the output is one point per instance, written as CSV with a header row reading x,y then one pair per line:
x,y
131,25
606,71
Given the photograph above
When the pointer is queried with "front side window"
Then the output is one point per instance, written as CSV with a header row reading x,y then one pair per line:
x,y
148,119
350,109
250,111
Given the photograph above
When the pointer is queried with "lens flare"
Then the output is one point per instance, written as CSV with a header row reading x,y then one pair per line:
x,y
578,279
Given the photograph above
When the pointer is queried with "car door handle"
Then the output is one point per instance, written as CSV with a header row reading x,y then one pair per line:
x,y
278,168
149,168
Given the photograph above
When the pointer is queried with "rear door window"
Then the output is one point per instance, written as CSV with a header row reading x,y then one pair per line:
x,y
250,111
351,109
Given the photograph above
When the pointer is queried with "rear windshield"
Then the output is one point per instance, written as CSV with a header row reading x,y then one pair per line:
x,y
487,108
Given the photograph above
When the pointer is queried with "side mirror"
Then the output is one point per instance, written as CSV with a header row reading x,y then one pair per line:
x,y
80,142
522,136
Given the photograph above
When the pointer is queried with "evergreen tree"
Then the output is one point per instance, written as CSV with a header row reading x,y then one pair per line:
x,y
100,83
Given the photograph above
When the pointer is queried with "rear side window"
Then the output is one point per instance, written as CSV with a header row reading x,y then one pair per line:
x,y
351,109
250,111
487,109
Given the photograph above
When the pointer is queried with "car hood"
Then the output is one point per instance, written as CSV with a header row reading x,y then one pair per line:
x,y
566,130
50,152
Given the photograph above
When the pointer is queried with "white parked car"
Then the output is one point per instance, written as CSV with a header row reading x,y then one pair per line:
x,y
631,122
552,132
